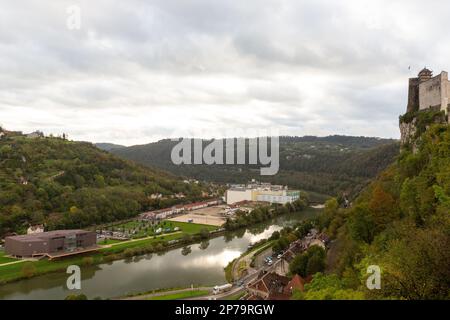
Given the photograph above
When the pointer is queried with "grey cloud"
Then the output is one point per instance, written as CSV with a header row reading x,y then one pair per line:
x,y
150,67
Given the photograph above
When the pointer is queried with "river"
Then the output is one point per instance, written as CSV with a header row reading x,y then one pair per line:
x,y
202,266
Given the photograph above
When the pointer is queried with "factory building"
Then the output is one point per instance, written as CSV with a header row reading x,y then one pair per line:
x,y
261,192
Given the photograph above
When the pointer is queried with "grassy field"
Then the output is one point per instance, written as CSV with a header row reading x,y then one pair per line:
x,y
109,241
181,295
192,228
141,229
236,296
4,259
140,243
14,271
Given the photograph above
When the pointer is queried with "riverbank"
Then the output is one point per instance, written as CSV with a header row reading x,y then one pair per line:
x,y
202,265
171,294
233,271
189,234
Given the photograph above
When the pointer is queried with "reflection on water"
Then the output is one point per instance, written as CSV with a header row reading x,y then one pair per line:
x,y
203,265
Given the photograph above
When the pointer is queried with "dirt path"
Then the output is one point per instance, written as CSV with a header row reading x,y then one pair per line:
x,y
12,262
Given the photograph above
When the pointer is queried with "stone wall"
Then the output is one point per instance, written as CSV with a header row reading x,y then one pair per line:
x,y
434,93
413,95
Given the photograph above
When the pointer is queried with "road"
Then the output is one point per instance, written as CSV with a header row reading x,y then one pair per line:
x,y
163,293
246,280
238,289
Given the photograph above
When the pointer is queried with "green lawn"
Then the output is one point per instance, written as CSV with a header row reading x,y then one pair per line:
x,y
181,295
192,228
139,243
142,229
109,241
4,259
236,296
14,271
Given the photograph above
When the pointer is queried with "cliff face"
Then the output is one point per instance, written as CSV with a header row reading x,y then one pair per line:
x,y
414,124
408,131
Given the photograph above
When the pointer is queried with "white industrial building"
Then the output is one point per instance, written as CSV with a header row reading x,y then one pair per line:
x,y
261,192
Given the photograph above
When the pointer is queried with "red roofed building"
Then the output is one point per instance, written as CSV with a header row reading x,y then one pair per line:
x,y
296,283
269,286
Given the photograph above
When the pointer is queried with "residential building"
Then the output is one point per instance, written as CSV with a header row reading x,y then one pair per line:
x,y
35,229
269,286
35,134
168,212
296,283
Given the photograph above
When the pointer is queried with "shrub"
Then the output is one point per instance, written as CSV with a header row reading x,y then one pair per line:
x,y
28,269
87,261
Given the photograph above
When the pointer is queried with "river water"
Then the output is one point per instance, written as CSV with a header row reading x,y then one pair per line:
x,y
204,265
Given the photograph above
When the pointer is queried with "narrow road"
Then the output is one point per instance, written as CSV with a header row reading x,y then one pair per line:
x,y
246,260
237,289
163,293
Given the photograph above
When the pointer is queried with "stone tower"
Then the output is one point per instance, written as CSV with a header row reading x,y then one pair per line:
x,y
428,92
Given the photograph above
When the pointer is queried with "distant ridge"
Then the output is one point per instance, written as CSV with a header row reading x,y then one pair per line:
x,y
108,146
327,165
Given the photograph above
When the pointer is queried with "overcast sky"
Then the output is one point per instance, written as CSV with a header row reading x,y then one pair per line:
x,y
138,71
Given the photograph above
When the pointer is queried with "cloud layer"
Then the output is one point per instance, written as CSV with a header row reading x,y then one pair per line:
x,y
138,71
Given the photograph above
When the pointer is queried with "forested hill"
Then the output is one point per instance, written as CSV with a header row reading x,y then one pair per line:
x,y
327,165
67,184
400,222
108,146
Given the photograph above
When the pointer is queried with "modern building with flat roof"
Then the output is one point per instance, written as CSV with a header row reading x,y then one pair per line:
x,y
261,192
51,243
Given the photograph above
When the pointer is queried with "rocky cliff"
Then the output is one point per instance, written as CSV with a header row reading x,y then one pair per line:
x,y
413,124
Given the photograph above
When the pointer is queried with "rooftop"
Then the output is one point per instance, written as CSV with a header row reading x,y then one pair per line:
x,y
48,234
425,72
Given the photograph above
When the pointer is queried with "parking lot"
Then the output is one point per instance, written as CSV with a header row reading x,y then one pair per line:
x,y
211,215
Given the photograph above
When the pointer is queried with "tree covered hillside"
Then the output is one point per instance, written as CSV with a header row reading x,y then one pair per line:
x,y
327,165
400,222
67,184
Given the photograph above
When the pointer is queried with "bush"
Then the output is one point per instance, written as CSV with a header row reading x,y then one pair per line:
x,y
128,253
76,297
87,261
28,269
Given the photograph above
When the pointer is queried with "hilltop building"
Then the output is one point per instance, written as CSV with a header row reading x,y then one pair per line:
x,y
428,92
35,229
261,192
35,134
